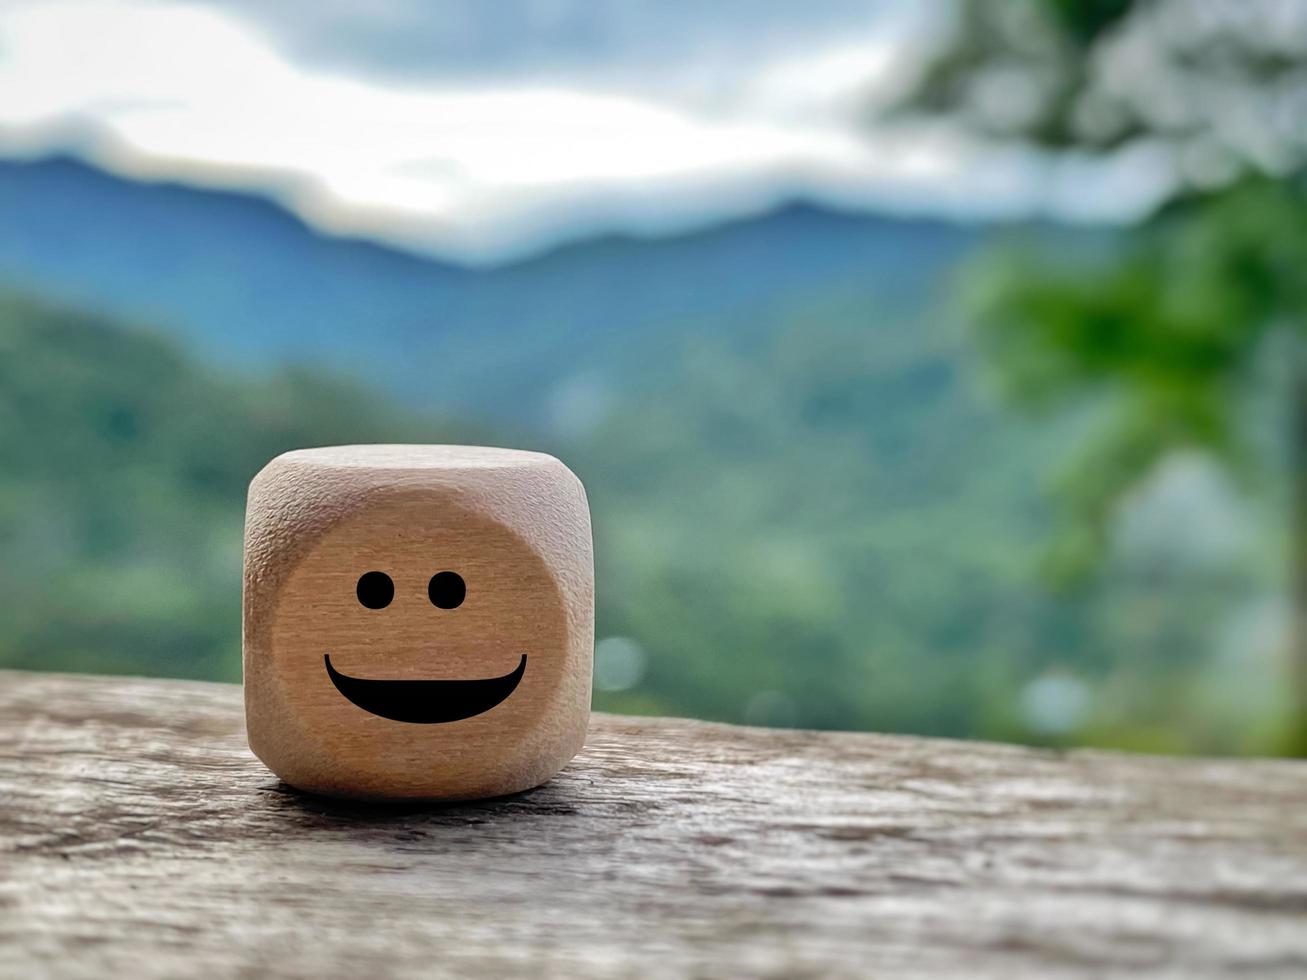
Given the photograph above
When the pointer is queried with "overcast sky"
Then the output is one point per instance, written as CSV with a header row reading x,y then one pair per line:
x,y
483,130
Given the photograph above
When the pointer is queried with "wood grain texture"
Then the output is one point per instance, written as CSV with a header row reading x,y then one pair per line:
x,y
514,525
138,836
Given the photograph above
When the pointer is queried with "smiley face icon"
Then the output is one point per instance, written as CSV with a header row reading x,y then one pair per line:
x,y
418,620
422,701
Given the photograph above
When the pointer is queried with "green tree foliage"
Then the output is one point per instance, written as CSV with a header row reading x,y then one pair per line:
x,y
1179,324
1175,328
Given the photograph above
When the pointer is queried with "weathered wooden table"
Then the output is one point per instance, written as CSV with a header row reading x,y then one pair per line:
x,y
139,838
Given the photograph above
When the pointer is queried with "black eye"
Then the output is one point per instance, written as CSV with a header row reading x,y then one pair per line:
x,y
446,590
375,590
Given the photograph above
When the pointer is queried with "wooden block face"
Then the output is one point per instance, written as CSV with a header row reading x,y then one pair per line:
x,y
419,620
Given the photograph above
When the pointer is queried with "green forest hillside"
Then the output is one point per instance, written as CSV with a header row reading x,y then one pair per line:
x,y
122,491
826,526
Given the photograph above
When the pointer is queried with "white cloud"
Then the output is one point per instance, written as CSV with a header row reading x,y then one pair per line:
x,y
481,170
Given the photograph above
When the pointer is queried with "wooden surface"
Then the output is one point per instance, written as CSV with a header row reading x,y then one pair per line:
x,y
139,838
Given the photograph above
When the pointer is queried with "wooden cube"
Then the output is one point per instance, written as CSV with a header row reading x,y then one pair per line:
x,y
418,620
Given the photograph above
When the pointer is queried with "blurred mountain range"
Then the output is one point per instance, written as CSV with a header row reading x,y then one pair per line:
x,y
247,282
804,511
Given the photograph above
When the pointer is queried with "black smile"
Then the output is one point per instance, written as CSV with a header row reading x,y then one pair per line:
x,y
425,702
